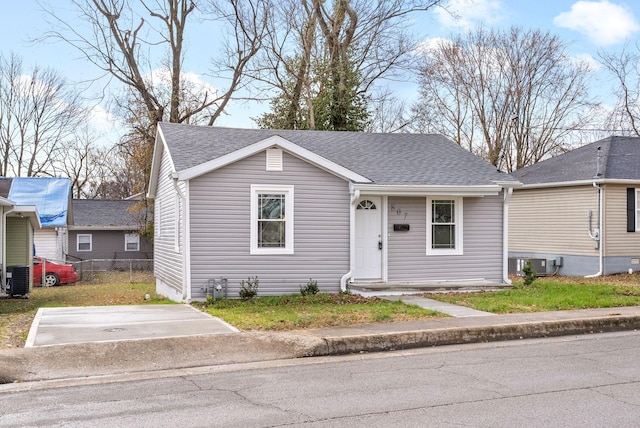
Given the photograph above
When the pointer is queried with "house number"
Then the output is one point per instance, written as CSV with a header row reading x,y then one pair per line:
x,y
399,212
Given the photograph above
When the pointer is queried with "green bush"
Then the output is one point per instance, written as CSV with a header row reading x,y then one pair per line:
x,y
249,288
529,273
310,288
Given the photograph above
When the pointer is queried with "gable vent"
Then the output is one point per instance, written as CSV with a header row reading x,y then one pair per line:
x,y
274,159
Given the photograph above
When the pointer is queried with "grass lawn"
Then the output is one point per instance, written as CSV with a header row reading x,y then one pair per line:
x,y
553,294
311,311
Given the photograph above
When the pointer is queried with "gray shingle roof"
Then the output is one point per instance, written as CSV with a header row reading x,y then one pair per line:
x,y
619,160
97,213
400,159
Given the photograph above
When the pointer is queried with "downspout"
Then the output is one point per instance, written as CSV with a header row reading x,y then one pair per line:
x,y
505,235
597,237
186,291
355,195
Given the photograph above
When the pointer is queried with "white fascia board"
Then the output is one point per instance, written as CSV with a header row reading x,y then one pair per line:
x,y
6,202
581,183
426,190
29,211
159,147
509,184
273,141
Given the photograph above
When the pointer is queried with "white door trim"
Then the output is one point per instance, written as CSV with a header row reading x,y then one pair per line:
x,y
369,258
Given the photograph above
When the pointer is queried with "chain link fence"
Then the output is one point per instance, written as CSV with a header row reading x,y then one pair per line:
x,y
110,270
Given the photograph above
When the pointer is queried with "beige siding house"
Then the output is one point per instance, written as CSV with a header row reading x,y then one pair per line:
x,y
348,210
579,210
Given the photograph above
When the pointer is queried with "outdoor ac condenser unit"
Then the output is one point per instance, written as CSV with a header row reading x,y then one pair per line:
x,y
543,267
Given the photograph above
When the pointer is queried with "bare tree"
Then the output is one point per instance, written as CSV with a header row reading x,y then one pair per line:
x,y
625,68
516,93
135,42
39,115
315,42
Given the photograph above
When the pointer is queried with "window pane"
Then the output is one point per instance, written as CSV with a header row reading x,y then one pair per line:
x,y
443,236
271,234
132,242
443,212
270,207
84,242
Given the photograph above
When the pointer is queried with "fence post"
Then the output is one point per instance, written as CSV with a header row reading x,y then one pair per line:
x,y
130,271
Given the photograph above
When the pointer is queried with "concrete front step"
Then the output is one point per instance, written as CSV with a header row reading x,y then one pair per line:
x,y
407,287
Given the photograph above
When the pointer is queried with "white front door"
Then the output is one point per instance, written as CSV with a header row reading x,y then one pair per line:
x,y
368,263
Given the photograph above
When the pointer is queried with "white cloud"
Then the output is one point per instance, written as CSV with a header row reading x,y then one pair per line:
x,y
100,119
589,60
469,13
428,45
603,22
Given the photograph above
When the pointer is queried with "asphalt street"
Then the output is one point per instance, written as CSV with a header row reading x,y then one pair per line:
x,y
573,381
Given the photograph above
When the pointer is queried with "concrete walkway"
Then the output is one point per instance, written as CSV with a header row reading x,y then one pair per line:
x,y
434,305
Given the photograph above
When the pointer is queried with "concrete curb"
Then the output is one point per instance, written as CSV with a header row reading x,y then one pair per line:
x,y
144,356
460,335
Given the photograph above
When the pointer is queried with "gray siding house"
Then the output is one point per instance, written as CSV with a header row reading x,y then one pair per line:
x,y
107,229
580,210
345,209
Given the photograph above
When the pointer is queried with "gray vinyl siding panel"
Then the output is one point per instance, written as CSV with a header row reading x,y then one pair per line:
x,y
553,220
618,242
107,244
220,203
482,242
168,265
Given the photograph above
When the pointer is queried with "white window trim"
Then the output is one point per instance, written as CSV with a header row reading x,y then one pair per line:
x,y
90,242
637,212
458,211
257,189
127,236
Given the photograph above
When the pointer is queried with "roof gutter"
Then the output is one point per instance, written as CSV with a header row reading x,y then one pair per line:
x,y
581,183
427,190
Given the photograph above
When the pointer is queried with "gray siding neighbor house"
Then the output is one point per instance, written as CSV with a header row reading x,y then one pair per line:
x,y
345,209
107,229
579,212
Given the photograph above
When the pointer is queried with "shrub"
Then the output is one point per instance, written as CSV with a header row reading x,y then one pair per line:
x,y
249,288
310,288
529,273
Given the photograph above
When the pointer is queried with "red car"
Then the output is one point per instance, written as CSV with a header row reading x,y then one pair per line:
x,y
56,273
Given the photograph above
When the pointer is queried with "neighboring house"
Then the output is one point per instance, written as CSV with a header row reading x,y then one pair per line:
x,y
17,223
52,198
579,212
344,209
107,229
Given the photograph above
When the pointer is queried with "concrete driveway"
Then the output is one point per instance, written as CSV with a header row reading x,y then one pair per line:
x,y
59,326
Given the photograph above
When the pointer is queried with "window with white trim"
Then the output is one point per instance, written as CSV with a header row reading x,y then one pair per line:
x,y
444,226
84,242
131,242
271,219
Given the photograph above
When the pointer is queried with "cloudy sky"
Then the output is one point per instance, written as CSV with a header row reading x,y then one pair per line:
x,y
588,25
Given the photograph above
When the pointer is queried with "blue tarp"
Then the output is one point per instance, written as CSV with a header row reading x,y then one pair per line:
x,y
49,195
